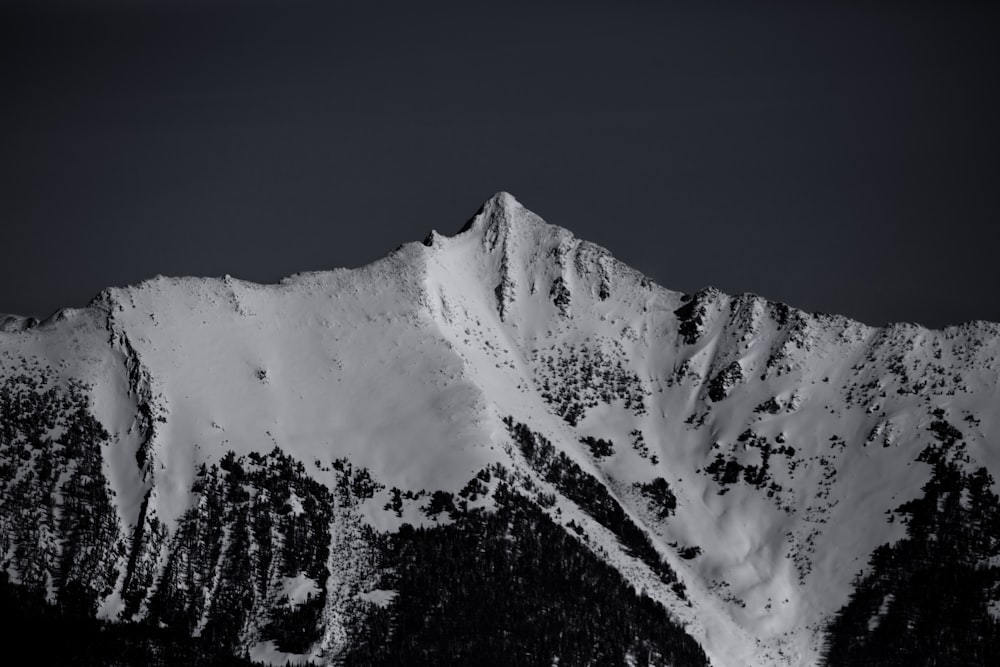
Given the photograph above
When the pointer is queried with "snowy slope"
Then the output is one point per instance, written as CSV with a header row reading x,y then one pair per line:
x,y
853,401
409,366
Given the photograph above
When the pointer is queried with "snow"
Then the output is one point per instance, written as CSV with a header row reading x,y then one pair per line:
x,y
883,609
298,589
378,597
352,369
268,653
408,366
295,503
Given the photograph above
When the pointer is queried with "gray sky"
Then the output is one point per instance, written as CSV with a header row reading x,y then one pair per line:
x,y
838,158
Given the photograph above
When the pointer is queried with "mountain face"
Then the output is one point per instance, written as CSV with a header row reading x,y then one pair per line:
x,y
499,447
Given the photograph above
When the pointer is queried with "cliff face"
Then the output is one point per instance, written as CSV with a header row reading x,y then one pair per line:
x,y
248,462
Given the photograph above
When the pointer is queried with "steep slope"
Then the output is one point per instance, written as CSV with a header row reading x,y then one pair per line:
x,y
786,437
735,461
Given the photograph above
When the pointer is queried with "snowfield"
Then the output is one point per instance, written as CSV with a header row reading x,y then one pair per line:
x,y
787,438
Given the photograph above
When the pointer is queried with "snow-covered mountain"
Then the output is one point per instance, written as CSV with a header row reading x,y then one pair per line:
x,y
240,462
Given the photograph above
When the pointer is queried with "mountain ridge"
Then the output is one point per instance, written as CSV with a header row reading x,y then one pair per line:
x,y
752,450
13,323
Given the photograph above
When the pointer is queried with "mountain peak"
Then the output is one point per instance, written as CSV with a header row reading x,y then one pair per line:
x,y
503,198
736,460
497,211
501,203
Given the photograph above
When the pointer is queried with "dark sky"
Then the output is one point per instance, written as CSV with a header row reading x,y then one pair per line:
x,y
838,158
